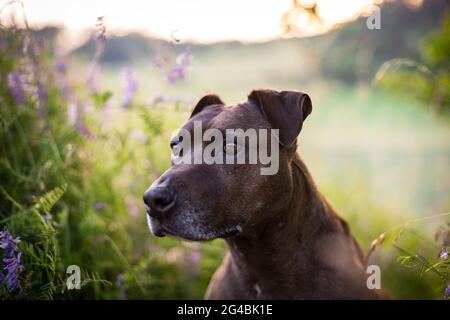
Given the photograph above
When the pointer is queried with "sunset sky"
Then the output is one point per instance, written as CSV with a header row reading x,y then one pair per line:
x,y
199,20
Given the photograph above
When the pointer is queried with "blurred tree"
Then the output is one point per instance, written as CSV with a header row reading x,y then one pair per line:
x,y
427,79
353,53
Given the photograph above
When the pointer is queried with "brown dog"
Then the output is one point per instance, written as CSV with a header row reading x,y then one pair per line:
x,y
285,240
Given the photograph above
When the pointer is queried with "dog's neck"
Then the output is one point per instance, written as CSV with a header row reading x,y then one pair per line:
x,y
266,249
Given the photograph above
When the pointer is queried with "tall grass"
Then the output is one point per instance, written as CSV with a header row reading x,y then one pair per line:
x,y
72,171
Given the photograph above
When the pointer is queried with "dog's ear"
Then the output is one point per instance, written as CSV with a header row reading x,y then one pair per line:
x,y
285,110
208,100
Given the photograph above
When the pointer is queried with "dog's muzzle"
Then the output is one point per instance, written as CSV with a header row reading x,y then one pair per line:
x,y
158,200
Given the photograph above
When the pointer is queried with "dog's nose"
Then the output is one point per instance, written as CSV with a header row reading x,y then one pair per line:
x,y
159,200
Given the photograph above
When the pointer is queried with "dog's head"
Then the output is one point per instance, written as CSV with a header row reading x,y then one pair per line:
x,y
200,200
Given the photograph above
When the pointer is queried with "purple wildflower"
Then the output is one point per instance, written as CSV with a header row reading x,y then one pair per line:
x,y
447,291
72,113
131,87
100,35
7,242
13,269
98,206
84,130
120,283
73,118
17,84
184,58
93,69
178,72
92,76
175,74
61,66
11,260
443,254
120,280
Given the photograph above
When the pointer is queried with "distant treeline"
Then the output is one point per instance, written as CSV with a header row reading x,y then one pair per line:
x,y
349,53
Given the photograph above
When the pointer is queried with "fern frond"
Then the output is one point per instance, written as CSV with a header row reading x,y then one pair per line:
x,y
48,200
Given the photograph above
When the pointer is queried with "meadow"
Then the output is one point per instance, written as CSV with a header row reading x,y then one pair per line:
x,y
80,141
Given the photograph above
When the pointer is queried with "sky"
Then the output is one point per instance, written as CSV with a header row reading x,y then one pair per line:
x,y
193,20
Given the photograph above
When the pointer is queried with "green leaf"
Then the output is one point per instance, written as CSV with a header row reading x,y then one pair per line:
x,y
48,200
100,98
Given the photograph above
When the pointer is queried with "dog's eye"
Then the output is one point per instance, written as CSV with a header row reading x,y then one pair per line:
x,y
176,149
231,148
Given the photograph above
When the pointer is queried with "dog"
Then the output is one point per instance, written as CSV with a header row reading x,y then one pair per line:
x,y
285,240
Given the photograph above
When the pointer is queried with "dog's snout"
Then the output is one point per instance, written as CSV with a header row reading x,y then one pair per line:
x,y
159,200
